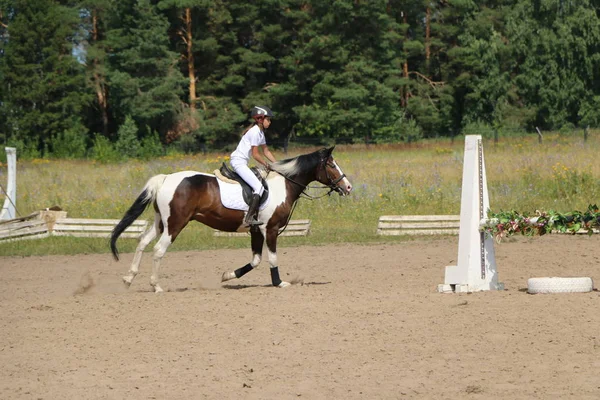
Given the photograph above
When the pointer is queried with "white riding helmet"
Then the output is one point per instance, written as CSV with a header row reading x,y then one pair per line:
x,y
260,112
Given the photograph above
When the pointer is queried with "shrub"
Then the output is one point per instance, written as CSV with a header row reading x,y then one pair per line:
x,y
26,149
70,144
188,144
128,145
478,128
151,147
403,130
103,150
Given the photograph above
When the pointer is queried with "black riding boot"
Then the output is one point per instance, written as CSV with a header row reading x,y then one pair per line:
x,y
252,216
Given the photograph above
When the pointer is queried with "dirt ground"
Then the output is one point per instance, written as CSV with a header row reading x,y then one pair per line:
x,y
360,322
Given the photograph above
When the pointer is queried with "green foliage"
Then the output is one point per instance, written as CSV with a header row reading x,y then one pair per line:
x,y
128,145
217,127
151,147
141,79
25,148
413,70
402,130
103,150
70,143
479,128
188,144
507,223
42,84
556,50
590,112
570,183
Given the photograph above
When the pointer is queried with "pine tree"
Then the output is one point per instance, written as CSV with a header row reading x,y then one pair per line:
x,y
556,48
348,74
6,11
142,72
42,82
197,29
94,16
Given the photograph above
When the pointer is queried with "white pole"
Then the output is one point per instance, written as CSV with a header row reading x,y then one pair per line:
x,y
476,269
9,208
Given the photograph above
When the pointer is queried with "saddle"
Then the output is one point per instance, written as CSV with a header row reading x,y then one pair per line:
x,y
247,191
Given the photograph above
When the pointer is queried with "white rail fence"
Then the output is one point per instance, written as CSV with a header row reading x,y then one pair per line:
x,y
397,225
46,223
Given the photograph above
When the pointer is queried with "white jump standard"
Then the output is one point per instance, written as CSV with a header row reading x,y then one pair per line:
x,y
476,267
9,210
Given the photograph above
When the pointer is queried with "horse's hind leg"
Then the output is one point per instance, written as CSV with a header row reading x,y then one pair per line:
x,y
160,248
257,240
145,240
168,236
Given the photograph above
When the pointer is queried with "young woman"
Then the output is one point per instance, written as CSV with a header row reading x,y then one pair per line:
x,y
252,143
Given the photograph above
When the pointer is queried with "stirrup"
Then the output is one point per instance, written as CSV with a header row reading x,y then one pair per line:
x,y
253,222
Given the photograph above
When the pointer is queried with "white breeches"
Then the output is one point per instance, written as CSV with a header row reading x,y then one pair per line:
x,y
247,175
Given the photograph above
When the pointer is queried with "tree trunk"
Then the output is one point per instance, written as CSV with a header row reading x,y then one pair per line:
x,y
427,38
405,66
404,94
98,82
190,57
2,24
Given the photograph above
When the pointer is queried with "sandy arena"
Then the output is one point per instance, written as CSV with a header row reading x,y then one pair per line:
x,y
360,322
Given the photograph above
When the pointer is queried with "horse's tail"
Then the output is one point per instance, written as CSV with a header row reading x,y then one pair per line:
x,y
147,196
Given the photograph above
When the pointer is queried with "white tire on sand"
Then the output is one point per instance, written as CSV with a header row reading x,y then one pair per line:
x,y
559,285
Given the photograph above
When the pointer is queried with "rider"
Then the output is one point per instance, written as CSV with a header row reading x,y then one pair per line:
x,y
252,140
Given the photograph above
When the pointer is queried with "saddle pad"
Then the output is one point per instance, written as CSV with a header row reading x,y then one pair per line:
x,y
231,196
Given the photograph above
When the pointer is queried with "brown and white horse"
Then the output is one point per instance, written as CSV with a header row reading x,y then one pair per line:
x,y
181,197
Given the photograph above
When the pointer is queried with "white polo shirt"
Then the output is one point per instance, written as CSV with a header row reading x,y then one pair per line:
x,y
243,152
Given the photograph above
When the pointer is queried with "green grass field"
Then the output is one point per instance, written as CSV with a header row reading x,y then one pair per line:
x,y
561,174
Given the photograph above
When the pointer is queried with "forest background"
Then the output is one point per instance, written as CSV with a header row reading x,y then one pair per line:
x,y
108,79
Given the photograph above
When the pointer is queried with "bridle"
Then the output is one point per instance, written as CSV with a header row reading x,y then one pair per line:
x,y
332,185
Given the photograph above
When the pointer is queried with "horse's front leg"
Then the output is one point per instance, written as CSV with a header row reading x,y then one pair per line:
x,y
272,249
257,241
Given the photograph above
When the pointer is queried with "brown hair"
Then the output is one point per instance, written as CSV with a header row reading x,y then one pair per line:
x,y
262,128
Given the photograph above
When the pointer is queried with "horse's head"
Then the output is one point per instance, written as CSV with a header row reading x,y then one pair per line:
x,y
330,174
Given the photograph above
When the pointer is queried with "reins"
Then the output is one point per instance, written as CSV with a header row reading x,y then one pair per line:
x,y
305,195
332,188
289,219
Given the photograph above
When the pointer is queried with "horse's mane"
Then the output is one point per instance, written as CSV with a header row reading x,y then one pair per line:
x,y
294,166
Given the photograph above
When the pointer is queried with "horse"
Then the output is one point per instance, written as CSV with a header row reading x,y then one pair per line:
x,y
181,197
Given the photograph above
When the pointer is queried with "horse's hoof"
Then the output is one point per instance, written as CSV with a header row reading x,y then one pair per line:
x,y
127,280
227,276
284,284
158,289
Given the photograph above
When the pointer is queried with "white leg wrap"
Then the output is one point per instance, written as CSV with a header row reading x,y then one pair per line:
x,y
272,259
